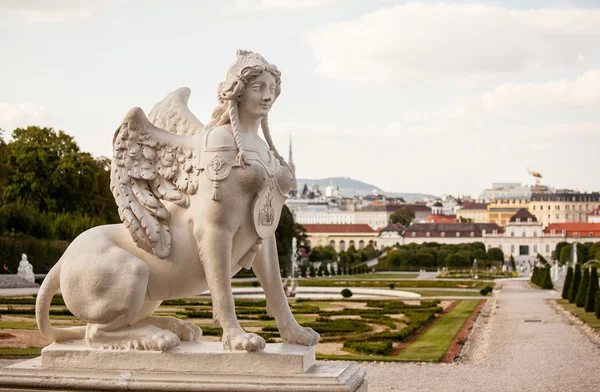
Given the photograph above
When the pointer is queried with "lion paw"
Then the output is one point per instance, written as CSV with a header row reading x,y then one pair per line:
x,y
185,330
242,341
297,334
133,338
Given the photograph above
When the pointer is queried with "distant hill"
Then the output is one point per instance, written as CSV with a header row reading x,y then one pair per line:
x,y
351,187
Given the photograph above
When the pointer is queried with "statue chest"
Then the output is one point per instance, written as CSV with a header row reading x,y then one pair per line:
x,y
265,180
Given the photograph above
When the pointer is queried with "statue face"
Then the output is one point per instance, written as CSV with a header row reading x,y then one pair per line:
x,y
258,96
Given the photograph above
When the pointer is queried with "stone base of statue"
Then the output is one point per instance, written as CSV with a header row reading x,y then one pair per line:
x,y
192,366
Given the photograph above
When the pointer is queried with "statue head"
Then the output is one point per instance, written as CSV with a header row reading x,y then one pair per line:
x,y
247,67
23,256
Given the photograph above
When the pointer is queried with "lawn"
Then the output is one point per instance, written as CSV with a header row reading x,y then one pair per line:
x,y
587,317
434,343
444,293
391,275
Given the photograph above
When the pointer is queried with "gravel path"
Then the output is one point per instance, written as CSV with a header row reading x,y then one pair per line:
x,y
552,355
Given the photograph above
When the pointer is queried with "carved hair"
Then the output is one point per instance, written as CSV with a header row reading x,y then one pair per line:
x,y
247,66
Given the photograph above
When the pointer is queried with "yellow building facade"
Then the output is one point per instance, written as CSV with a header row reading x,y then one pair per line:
x,y
500,211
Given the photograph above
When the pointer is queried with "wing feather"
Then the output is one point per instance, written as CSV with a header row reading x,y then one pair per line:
x,y
173,114
150,166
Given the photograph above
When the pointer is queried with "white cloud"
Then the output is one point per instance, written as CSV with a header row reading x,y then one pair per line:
x,y
582,91
458,40
42,11
20,115
255,5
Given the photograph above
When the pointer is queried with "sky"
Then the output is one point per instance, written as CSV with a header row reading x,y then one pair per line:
x,y
433,97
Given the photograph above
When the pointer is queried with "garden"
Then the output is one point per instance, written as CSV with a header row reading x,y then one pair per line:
x,y
383,330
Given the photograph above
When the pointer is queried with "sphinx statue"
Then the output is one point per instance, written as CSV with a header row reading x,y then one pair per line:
x,y
198,203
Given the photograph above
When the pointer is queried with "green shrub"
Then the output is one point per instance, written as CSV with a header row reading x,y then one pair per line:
x,y
369,348
590,300
583,289
568,282
346,293
574,289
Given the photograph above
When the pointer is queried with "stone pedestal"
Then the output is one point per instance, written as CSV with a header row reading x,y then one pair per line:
x,y
192,366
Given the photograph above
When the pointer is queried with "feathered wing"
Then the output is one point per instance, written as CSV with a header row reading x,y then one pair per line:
x,y
172,114
150,165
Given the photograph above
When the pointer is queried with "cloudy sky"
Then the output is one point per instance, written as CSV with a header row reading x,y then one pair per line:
x,y
438,97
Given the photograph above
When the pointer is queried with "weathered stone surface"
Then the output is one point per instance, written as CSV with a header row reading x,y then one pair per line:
x,y
197,357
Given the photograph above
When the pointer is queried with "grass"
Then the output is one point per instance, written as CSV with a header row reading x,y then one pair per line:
x,y
390,275
20,352
434,343
17,325
587,317
442,293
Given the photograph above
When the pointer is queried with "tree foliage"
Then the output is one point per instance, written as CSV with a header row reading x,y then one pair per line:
x,y
574,287
583,289
568,282
404,216
49,188
590,300
495,254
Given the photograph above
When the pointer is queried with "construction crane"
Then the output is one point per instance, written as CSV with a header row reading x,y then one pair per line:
x,y
538,177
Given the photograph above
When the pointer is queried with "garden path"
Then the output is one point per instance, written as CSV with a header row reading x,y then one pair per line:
x,y
551,355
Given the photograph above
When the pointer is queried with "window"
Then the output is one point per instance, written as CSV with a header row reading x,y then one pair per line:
x,y
523,250
500,246
512,233
472,234
518,220
591,233
414,234
534,248
524,234
361,244
342,246
547,248
489,247
351,243
427,234
458,234
332,243
535,233
443,234
512,249
553,232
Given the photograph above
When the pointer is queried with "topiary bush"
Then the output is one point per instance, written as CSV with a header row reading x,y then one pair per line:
x,y
568,282
590,300
575,283
583,288
346,293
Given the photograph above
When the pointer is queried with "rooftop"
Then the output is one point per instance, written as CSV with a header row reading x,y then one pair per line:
x,y
339,228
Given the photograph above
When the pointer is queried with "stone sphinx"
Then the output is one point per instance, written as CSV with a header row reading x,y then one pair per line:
x,y
198,203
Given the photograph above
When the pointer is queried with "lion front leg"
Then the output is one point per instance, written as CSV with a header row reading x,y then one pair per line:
x,y
266,268
215,252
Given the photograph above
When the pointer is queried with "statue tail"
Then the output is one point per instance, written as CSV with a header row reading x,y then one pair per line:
x,y
42,310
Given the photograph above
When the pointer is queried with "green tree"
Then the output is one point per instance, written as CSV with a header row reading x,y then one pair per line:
x,y
513,265
583,289
397,258
495,254
590,300
404,216
558,250
566,254
574,289
568,282
457,261
546,280
284,234
323,253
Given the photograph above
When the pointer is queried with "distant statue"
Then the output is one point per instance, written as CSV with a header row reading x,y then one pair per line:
x,y
25,270
198,204
574,254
